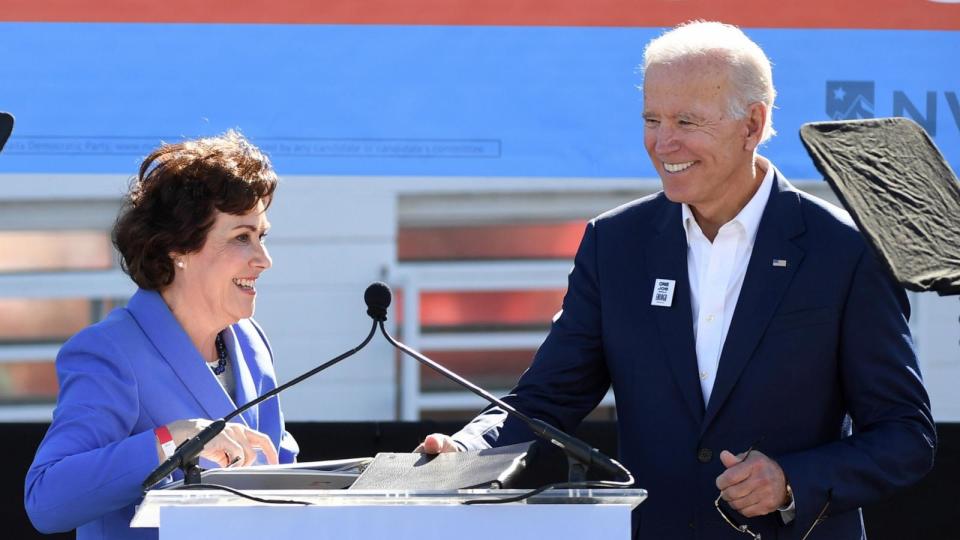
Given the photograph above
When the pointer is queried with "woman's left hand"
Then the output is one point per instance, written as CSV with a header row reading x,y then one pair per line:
x,y
236,445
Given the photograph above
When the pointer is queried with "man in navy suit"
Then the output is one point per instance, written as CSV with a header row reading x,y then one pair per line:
x,y
730,312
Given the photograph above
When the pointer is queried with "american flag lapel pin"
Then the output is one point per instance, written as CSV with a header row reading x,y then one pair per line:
x,y
780,263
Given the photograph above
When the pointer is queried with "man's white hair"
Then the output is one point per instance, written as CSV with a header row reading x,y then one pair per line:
x,y
750,71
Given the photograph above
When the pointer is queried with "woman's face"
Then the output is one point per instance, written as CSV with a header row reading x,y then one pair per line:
x,y
219,281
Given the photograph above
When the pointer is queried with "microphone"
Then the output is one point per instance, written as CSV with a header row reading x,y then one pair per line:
x,y
6,127
187,453
378,298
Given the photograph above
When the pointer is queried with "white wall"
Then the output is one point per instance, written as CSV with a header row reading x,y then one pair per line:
x,y
331,237
936,329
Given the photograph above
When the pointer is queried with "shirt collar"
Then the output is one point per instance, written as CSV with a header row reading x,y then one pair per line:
x,y
749,216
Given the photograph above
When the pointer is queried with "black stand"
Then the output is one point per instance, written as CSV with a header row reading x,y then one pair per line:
x,y
576,470
901,192
191,471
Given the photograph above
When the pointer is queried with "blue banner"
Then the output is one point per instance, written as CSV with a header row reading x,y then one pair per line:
x,y
424,100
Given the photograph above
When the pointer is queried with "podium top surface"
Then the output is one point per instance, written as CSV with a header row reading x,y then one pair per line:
x,y
148,512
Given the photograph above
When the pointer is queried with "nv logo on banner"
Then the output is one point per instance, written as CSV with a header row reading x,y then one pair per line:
x,y
849,100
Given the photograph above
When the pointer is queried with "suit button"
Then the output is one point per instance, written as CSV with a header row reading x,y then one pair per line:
x,y
704,455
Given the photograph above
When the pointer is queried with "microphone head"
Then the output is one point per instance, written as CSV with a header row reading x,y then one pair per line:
x,y
6,127
378,297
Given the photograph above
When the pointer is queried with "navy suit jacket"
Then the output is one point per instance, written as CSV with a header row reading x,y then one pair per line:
x,y
119,379
811,346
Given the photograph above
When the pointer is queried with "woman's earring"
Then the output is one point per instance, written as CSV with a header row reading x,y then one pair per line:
x,y
179,263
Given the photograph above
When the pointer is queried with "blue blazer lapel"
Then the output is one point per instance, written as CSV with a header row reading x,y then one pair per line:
x,y
171,341
666,258
763,287
245,389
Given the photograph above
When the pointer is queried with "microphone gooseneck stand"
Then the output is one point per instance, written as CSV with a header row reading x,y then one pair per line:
x,y
580,455
187,455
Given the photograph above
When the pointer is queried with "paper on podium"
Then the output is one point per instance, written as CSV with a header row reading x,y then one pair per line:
x,y
336,474
492,467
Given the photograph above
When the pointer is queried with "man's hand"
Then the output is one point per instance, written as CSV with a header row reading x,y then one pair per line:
x,y
437,443
755,486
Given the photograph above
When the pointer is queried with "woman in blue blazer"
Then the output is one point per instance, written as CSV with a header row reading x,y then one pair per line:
x,y
183,350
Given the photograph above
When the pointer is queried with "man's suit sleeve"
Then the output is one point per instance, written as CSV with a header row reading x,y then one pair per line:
x,y
89,463
894,437
568,376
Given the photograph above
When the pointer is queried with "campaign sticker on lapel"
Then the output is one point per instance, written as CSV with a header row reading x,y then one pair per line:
x,y
663,292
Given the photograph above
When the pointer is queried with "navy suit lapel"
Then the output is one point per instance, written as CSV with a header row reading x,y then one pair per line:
x,y
763,287
162,329
666,258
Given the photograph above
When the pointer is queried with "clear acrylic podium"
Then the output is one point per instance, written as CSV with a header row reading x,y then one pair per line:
x,y
396,514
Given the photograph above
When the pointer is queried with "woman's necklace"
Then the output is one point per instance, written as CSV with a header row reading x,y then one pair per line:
x,y
221,357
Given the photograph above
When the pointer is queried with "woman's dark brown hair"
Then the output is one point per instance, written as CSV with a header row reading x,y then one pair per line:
x,y
171,204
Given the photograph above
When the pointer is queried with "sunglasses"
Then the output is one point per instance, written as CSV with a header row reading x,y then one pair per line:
x,y
745,529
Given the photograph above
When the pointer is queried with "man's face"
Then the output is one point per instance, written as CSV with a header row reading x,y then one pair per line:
x,y
700,152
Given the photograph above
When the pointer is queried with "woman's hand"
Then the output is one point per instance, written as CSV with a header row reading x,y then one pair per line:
x,y
235,445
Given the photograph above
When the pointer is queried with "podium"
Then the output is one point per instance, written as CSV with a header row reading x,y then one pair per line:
x,y
557,514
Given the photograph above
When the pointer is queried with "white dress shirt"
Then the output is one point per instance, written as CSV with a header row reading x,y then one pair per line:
x,y
716,271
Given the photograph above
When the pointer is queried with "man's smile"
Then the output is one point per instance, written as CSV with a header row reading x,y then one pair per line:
x,y
677,167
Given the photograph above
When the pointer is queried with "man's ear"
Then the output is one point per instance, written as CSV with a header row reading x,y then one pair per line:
x,y
753,123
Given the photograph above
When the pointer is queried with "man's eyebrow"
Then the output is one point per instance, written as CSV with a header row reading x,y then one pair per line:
x,y
689,116
685,115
